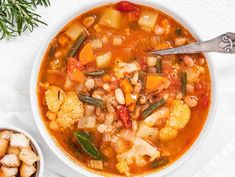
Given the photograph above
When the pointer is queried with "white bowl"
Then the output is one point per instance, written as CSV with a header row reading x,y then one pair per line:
x,y
35,146
80,9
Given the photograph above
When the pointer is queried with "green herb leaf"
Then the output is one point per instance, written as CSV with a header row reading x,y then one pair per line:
x,y
84,139
160,162
152,107
17,16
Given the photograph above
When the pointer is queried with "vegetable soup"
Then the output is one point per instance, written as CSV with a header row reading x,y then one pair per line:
x,y
111,106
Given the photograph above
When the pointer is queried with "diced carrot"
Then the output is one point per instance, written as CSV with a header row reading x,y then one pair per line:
x,y
106,78
86,55
126,86
132,107
129,99
155,82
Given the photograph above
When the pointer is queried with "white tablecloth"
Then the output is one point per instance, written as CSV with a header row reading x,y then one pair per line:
x,y
216,156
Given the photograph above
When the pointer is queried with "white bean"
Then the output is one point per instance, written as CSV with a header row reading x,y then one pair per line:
x,y
188,61
159,30
191,101
90,84
88,21
106,87
179,41
201,61
119,96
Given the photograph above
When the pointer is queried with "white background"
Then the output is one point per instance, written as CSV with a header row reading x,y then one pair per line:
x,y
209,18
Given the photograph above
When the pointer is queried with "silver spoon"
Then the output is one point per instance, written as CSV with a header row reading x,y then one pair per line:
x,y
224,43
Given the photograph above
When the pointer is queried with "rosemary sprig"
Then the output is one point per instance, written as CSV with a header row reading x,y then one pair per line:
x,y
17,16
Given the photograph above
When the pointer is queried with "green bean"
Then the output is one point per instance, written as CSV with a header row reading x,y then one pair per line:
x,y
159,65
152,107
91,101
52,51
77,44
160,162
183,78
95,73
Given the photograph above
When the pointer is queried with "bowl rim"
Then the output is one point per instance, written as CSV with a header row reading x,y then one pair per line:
x,y
80,9
33,141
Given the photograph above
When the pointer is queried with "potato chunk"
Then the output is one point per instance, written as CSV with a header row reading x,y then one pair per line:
x,y
27,171
147,20
111,18
9,172
104,61
74,31
19,140
28,156
10,160
3,147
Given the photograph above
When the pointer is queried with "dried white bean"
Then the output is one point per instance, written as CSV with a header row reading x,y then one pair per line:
x,y
119,96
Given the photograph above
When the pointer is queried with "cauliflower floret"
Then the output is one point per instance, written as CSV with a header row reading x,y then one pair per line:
x,y
64,108
159,114
70,112
178,119
123,168
138,152
54,98
167,133
180,115
123,68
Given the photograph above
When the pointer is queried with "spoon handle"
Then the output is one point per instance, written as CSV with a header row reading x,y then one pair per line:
x,y
224,43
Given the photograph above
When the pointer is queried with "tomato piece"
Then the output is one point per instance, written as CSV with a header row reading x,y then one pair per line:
x,y
201,87
175,83
124,116
205,101
125,6
75,70
143,64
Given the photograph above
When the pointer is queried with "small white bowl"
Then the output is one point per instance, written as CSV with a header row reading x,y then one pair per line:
x,y
80,9
33,144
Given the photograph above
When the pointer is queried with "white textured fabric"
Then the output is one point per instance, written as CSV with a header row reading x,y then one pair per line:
x,y
215,157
